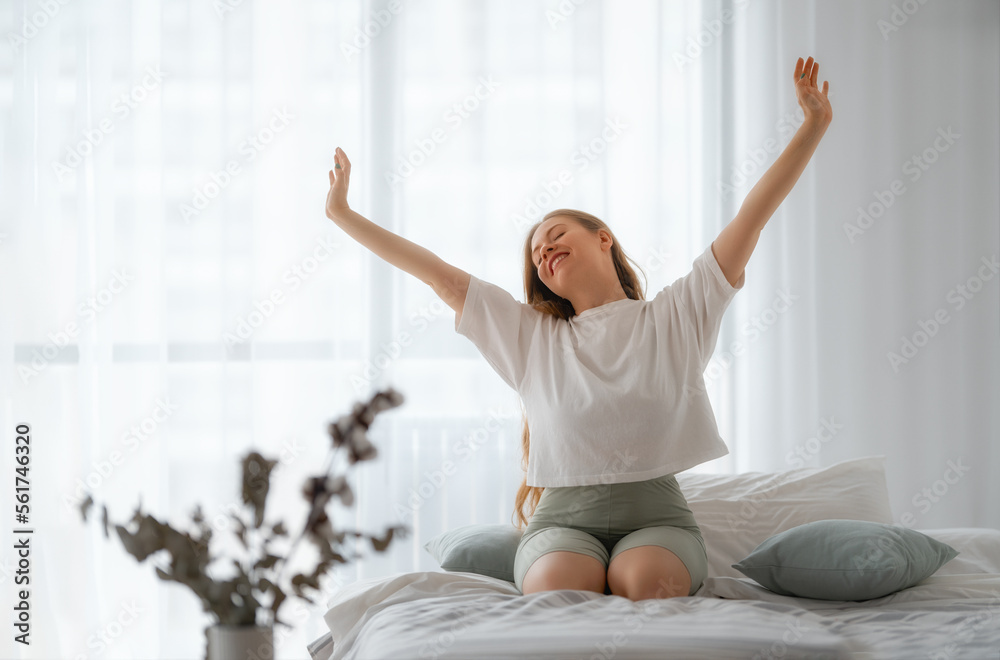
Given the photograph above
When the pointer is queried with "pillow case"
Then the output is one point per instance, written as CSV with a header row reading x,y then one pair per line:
x,y
978,549
844,560
485,549
738,512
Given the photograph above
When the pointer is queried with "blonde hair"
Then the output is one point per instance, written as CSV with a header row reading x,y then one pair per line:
x,y
544,300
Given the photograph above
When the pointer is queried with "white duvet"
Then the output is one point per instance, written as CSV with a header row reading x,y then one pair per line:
x,y
951,615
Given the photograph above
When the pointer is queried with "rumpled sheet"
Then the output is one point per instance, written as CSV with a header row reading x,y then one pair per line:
x,y
465,615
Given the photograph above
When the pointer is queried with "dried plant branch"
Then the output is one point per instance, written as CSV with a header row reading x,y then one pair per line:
x,y
237,600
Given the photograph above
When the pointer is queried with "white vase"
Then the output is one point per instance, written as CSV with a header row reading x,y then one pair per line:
x,y
240,642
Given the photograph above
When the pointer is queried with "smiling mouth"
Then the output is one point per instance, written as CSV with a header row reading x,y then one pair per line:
x,y
555,262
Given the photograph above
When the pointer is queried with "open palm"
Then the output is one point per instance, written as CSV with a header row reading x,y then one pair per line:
x,y
815,104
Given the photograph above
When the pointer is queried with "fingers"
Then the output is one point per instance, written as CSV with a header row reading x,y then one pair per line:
x,y
803,71
826,87
809,70
341,163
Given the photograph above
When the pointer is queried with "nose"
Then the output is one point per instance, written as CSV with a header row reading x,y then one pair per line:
x,y
546,250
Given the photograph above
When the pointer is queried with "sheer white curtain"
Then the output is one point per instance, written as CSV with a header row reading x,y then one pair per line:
x,y
174,295
869,323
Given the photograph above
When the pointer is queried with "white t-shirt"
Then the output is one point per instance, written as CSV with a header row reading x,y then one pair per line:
x,y
616,393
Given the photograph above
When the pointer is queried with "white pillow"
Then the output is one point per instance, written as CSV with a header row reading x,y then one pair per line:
x,y
978,549
738,512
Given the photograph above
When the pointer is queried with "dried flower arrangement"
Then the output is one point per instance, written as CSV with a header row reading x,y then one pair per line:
x,y
236,601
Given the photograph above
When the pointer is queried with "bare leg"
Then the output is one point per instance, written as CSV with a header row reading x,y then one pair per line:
x,y
564,570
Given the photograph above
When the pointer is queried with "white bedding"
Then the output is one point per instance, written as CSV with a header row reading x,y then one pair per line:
x,y
954,614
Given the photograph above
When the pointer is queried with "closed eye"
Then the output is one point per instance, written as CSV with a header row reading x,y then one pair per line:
x,y
540,257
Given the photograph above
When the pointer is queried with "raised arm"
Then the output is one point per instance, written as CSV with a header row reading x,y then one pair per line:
x,y
448,282
737,240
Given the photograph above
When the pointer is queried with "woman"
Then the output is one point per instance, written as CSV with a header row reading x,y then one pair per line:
x,y
612,383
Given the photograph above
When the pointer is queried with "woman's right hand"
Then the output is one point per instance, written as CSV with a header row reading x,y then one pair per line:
x,y
340,178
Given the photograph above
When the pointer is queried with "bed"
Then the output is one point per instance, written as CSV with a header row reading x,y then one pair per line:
x,y
952,613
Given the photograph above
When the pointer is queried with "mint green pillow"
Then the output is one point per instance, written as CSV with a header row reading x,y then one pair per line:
x,y
844,560
485,549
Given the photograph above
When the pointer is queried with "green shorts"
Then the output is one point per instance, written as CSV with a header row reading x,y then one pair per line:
x,y
603,520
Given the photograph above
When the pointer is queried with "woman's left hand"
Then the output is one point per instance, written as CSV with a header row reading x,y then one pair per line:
x,y
815,104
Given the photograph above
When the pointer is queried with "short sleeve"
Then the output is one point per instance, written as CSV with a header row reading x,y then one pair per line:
x,y
697,302
500,327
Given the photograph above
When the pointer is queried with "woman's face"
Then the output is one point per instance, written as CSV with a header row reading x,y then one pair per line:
x,y
566,245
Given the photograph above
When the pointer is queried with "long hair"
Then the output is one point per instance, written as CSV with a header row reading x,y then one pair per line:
x,y
544,300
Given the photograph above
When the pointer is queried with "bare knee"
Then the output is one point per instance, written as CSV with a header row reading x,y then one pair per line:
x,y
564,570
648,572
